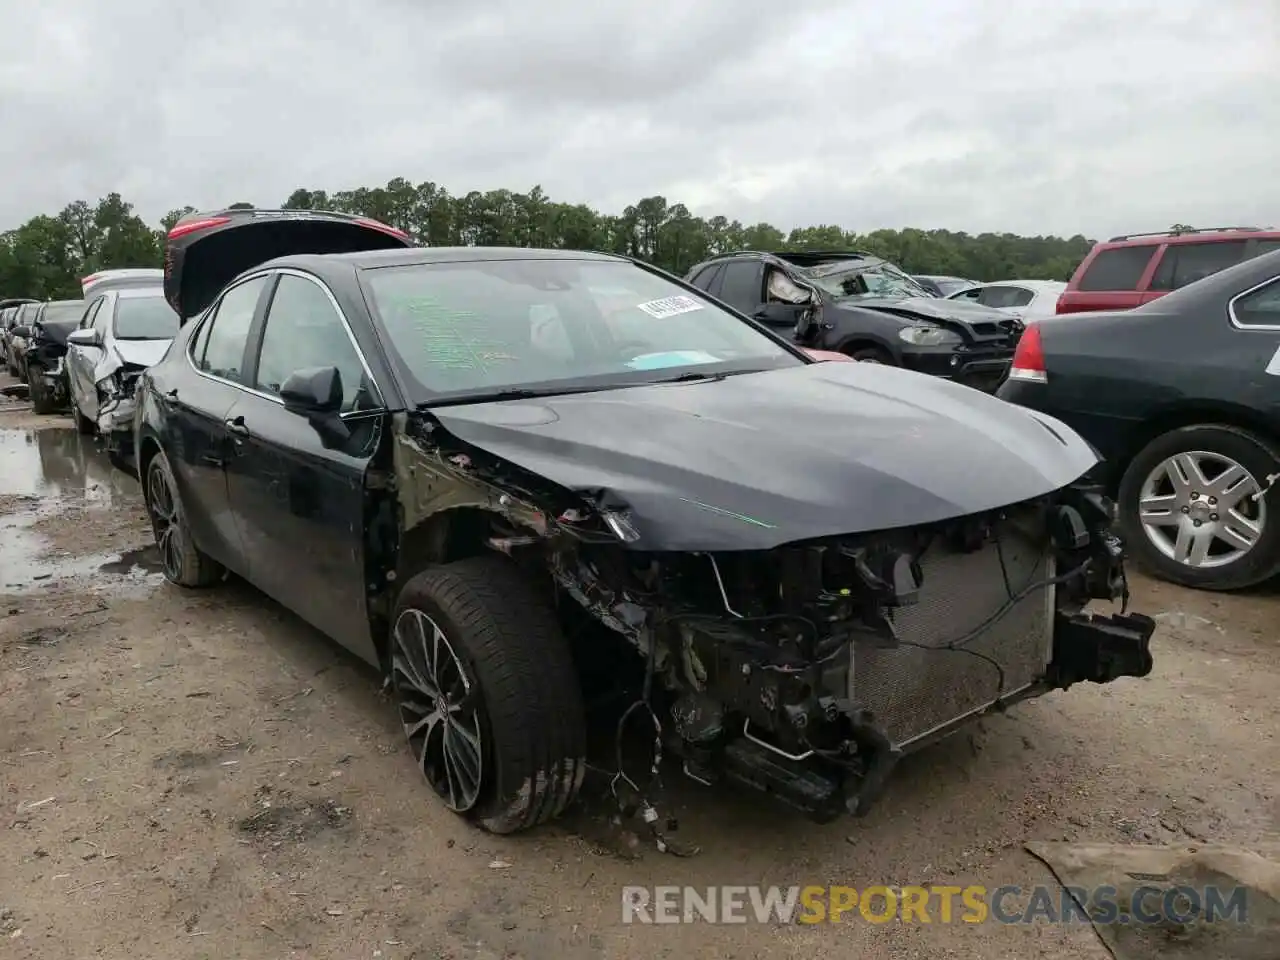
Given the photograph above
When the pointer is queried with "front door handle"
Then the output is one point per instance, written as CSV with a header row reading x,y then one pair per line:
x,y
235,426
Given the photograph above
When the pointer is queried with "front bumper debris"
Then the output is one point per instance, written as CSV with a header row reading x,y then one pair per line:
x,y
1100,649
115,426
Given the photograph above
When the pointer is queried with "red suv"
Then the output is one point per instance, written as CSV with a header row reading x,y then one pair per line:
x,y
1129,271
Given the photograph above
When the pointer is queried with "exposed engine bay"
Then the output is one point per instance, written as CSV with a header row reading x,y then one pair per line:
x,y
806,671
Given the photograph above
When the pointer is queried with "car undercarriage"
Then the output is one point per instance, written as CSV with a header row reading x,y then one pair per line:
x,y
808,670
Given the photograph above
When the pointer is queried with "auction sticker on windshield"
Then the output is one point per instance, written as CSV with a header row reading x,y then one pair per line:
x,y
670,306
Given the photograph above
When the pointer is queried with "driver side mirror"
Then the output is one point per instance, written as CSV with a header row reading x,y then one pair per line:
x,y
314,390
88,337
22,331
781,314
316,393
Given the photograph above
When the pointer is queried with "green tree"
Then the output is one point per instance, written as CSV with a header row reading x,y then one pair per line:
x,y
47,255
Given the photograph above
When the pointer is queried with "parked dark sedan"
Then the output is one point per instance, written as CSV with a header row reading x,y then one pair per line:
x,y
1182,398
450,460
42,352
858,304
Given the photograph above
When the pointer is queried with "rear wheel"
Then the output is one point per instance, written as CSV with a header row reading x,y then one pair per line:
x,y
182,561
1194,507
487,693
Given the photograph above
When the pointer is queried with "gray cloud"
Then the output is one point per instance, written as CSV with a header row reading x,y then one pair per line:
x,y
1091,116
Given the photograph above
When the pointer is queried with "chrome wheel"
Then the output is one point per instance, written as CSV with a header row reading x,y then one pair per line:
x,y
162,507
1202,509
438,708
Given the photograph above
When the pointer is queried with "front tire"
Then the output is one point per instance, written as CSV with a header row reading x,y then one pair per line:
x,y
872,355
487,693
41,398
1193,507
183,562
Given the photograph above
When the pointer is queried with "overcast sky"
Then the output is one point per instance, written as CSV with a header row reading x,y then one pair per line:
x,y
1092,116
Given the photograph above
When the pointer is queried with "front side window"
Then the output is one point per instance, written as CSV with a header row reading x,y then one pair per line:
x,y
222,351
304,331
88,319
1004,297
145,318
488,326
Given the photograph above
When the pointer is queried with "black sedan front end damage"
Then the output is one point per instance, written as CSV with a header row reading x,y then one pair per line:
x,y
45,362
801,667
807,671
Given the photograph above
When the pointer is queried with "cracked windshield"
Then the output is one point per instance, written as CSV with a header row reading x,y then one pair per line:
x,y
492,325
879,282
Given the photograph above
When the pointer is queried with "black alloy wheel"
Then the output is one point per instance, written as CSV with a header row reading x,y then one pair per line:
x,y
487,693
183,563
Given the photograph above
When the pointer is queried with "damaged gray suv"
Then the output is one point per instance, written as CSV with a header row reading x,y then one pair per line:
x,y
478,468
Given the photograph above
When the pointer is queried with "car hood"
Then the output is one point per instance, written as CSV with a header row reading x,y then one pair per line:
x,y
134,353
57,331
932,308
754,461
142,353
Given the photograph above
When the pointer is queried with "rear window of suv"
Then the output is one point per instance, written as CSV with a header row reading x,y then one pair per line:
x,y
1117,268
1185,263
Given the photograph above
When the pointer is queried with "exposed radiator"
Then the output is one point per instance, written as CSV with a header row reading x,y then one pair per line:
x,y
913,691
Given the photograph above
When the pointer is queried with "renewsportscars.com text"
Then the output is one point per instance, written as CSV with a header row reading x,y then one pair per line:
x,y
936,904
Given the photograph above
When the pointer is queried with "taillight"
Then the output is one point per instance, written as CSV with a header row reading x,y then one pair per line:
x,y
1028,357
182,229
1061,305
382,227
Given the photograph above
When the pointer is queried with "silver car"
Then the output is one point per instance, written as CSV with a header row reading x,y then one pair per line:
x,y
122,333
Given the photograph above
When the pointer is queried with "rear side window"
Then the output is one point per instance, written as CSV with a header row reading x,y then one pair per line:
x,y
221,344
702,279
1117,268
1264,246
1185,263
1006,297
742,284
1259,308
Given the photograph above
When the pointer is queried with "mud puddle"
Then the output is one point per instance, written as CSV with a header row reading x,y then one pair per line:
x,y
50,479
60,463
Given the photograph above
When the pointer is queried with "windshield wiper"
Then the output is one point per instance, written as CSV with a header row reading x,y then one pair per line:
x,y
692,376
513,393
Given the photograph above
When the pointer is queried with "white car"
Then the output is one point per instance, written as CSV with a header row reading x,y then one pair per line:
x,y
123,279
122,332
1029,300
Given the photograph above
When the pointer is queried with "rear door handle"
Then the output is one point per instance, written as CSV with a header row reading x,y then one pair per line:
x,y
235,426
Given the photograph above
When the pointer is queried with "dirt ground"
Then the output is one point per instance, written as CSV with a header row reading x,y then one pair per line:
x,y
192,774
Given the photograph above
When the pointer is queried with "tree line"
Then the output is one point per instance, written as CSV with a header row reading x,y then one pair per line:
x,y
46,256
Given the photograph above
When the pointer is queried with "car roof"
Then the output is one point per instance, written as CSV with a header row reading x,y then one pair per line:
x,y
411,256
134,293
1206,235
1028,284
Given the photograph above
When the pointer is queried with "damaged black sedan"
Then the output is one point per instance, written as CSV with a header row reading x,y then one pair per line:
x,y
858,304
467,464
41,358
